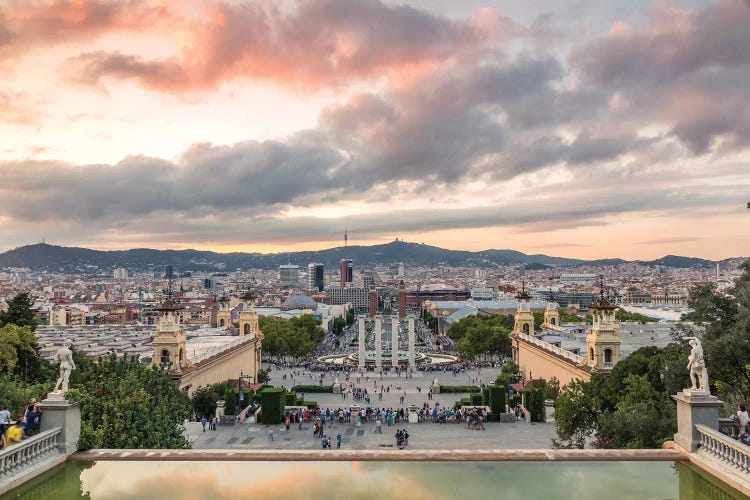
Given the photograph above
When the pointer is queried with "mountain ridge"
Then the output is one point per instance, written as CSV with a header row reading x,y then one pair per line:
x,y
54,257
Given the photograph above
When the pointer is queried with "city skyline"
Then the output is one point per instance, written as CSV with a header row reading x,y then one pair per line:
x,y
579,130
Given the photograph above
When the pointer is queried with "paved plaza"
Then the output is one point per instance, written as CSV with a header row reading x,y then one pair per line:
x,y
422,436
425,436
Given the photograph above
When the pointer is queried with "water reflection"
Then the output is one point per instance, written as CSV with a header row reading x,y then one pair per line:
x,y
374,480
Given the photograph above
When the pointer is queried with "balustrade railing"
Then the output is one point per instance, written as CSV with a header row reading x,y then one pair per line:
x,y
730,427
716,445
552,348
18,457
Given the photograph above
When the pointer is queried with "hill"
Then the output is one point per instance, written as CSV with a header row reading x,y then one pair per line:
x,y
58,258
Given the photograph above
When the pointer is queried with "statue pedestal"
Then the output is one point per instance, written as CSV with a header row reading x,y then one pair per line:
x,y
57,412
435,389
337,388
694,407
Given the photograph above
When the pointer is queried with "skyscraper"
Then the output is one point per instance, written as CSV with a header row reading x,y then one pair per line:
x,y
168,272
289,274
315,276
346,269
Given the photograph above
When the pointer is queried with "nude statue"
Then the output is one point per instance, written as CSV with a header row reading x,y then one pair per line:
x,y
65,357
697,366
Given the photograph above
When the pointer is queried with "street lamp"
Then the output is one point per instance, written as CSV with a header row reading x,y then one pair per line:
x,y
240,393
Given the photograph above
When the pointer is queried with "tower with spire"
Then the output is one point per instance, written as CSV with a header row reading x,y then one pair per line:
x,y
524,320
169,341
224,315
603,341
248,316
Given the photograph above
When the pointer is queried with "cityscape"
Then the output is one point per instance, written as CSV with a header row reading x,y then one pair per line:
x,y
374,248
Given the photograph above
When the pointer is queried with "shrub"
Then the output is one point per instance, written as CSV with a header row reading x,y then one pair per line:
x,y
534,402
272,402
498,398
313,389
312,405
476,399
458,388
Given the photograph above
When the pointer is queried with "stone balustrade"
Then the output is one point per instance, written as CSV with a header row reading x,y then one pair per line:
x,y
552,348
28,454
717,446
730,427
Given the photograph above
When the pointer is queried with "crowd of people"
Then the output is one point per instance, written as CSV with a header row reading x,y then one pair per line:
x,y
23,427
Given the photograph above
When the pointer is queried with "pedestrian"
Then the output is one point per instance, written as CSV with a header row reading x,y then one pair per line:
x,y
213,423
378,425
324,442
338,440
15,433
204,421
286,423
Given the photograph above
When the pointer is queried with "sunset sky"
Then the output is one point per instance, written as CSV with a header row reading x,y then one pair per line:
x,y
580,128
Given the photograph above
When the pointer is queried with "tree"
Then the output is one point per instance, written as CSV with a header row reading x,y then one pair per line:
x,y
19,355
481,336
726,339
575,415
263,376
19,312
338,325
125,404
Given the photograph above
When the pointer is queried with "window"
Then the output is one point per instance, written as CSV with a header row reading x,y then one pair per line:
x,y
526,328
165,361
221,322
247,328
607,355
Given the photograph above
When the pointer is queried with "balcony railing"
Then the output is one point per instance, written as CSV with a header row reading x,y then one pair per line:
x,y
25,455
552,348
729,427
608,364
716,445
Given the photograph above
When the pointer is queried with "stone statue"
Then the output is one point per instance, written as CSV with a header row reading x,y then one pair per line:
x,y
435,388
697,366
65,357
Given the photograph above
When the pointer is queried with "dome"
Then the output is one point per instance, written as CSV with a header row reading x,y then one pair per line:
x,y
300,302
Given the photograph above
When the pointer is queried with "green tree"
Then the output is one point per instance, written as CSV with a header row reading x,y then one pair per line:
x,y
125,404
19,354
338,325
575,415
19,312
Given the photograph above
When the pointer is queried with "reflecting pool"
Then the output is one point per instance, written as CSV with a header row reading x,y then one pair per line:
x,y
374,480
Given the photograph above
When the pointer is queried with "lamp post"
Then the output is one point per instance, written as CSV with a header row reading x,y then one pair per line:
x,y
240,393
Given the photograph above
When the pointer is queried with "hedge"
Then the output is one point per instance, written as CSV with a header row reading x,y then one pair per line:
x,y
534,402
299,402
459,388
290,399
312,389
272,403
312,405
497,400
476,399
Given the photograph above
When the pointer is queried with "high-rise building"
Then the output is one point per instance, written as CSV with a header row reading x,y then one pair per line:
x,y
368,278
168,272
346,269
289,274
315,277
120,273
401,270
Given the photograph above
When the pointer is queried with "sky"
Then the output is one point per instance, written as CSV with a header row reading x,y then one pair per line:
x,y
576,128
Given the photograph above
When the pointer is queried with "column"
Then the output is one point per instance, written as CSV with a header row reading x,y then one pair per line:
x,y
362,335
394,341
378,340
411,341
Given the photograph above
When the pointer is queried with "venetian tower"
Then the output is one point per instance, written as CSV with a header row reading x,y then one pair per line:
x,y
248,316
224,315
551,315
169,342
603,341
524,317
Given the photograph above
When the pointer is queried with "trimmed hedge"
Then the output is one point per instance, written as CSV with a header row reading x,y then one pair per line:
x,y
311,405
290,399
476,399
534,402
458,388
272,403
466,402
313,389
299,402
497,400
